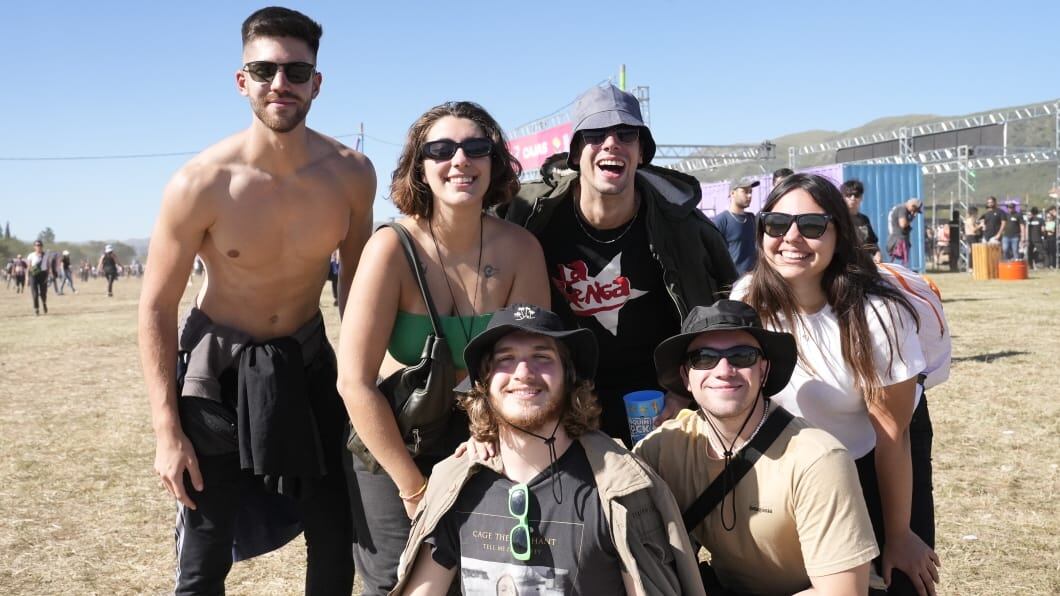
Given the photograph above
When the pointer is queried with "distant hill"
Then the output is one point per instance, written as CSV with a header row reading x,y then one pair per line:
x,y
1029,182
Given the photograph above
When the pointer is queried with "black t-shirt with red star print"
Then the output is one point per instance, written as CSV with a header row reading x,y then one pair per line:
x,y
611,284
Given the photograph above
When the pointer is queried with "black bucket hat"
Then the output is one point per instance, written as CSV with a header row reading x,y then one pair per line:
x,y
604,107
530,319
726,315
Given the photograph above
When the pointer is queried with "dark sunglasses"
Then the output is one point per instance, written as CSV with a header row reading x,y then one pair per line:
x,y
624,134
811,225
444,149
708,358
296,72
519,507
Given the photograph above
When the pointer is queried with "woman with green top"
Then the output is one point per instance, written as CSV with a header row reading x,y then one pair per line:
x,y
455,165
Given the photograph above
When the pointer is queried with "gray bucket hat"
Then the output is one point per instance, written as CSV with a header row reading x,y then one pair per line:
x,y
604,107
726,315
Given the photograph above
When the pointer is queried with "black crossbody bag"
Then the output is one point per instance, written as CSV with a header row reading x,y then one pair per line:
x,y
740,464
421,395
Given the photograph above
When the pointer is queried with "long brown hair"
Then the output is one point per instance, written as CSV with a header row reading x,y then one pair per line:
x,y
848,281
581,414
408,188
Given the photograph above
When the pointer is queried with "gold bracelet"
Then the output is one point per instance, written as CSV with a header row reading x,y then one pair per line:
x,y
414,495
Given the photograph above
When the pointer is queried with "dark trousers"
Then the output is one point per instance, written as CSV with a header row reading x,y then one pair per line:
x,y
922,517
111,276
382,529
38,286
205,535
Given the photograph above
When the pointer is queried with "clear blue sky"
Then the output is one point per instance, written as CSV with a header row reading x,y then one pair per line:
x,y
107,77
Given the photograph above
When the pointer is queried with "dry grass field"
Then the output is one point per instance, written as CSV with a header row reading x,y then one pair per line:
x,y
82,513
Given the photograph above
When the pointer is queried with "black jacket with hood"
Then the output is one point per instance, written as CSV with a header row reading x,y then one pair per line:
x,y
697,269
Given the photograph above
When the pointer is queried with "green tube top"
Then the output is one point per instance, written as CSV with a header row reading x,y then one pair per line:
x,y
411,330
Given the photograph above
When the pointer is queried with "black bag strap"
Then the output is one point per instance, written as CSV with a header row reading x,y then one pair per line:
x,y
417,272
739,466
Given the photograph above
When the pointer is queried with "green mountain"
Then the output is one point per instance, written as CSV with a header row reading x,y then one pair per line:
x,y
1031,183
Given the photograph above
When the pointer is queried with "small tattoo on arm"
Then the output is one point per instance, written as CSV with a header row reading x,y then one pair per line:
x,y
490,271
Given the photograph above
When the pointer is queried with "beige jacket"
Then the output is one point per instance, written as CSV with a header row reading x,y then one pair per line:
x,y
644,520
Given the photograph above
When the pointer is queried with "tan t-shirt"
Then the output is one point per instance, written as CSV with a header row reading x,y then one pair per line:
x,y
799,511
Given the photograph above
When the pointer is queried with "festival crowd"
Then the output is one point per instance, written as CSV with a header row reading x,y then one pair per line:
x,y
576,386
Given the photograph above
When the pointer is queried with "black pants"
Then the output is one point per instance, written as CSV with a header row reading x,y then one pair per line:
x,y
382,529
922,517
38,286
111,276
204,535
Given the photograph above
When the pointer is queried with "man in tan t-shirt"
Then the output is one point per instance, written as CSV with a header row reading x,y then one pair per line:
x,y
796,523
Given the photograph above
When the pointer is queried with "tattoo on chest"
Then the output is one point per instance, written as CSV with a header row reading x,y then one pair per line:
x,y
233,253
490,271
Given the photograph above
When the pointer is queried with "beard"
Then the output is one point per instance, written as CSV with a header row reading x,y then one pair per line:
x,y
281,124
533,419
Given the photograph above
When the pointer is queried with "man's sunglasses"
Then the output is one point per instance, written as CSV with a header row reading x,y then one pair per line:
x,y
519,507
624,134
811,225
708,358
444,149
296,72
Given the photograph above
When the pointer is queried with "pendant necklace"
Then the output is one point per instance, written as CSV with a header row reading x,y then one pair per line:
x,y
470,327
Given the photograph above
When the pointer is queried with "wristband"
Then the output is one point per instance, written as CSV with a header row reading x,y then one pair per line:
x,y
414,495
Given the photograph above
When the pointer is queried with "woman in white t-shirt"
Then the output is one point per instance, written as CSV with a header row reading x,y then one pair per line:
x,y
859,361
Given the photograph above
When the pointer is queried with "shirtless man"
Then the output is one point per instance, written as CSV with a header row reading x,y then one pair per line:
x,y
263,209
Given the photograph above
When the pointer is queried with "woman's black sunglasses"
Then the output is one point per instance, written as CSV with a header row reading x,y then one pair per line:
x,y
296,72
443,149
708,358
776,224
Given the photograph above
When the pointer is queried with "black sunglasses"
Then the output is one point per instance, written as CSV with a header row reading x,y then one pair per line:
x,y
811,225
519,507
708,358
296,72
444,149
624,134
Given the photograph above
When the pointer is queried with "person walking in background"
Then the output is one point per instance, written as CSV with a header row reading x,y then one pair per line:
x,y
1034,238
859,372
19,268
1011,233
67,273
1050,237
900,229
38,264
333,277
108,264
737,225
55,271
853,192
992,220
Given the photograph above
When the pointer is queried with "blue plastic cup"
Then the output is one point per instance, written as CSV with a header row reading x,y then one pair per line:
x,y
641,409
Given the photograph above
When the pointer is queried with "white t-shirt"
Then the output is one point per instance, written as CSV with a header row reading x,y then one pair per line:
x,y
35,259
825,394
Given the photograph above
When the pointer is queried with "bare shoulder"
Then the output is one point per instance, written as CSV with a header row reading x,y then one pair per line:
x,y
509,237
205,178
348,165
384,246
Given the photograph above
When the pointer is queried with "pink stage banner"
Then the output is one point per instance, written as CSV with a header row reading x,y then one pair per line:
x,y
533,150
